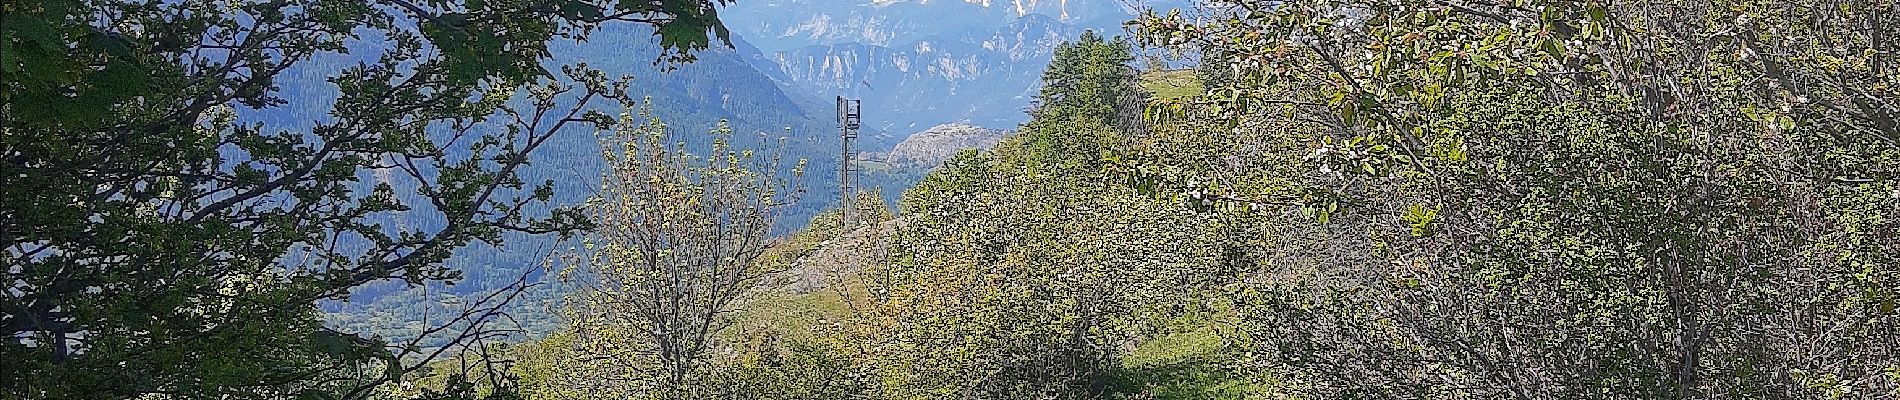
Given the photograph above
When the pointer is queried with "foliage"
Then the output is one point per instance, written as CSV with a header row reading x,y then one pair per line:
x,y
1090,78
1026,272
1556,199
718,85
155,244
678,240
1415,199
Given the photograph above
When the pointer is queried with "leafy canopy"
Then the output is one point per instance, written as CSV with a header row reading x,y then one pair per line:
x,y
157,241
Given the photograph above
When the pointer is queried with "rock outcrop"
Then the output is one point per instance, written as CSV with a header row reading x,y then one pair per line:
x,y
931,147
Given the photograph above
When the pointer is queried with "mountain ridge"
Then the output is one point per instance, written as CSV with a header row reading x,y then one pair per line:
x,y
916,64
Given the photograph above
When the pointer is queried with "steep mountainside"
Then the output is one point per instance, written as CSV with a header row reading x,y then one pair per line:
x,y
692,98
921,63
778,25
986,78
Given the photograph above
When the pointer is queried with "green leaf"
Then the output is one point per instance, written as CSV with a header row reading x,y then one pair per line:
x,y
580,10
1348,111
9,59
37,31
112,44
392,367
451,21
333,343
683,34
1553,46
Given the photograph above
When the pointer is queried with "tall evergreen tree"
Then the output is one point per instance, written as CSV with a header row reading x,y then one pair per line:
x,y
1092,77
1091,80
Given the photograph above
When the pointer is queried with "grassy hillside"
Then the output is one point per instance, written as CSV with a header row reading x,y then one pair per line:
x,y
1171,84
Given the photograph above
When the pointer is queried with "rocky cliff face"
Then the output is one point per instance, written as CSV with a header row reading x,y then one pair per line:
x,y
778,25
986,78
917,63
931,147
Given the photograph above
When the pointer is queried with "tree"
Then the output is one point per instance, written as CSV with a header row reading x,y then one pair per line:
x,y
1092,78
1558,199
1026,271
678,240
156,244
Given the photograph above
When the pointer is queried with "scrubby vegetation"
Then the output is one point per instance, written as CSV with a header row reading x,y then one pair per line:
x,y
1342,200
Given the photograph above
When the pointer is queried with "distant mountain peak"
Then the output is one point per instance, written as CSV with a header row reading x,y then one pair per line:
x,y
917,63
779,25
1021,7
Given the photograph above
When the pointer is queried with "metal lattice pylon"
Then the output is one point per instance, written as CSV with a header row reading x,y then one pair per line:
x,y
849,118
